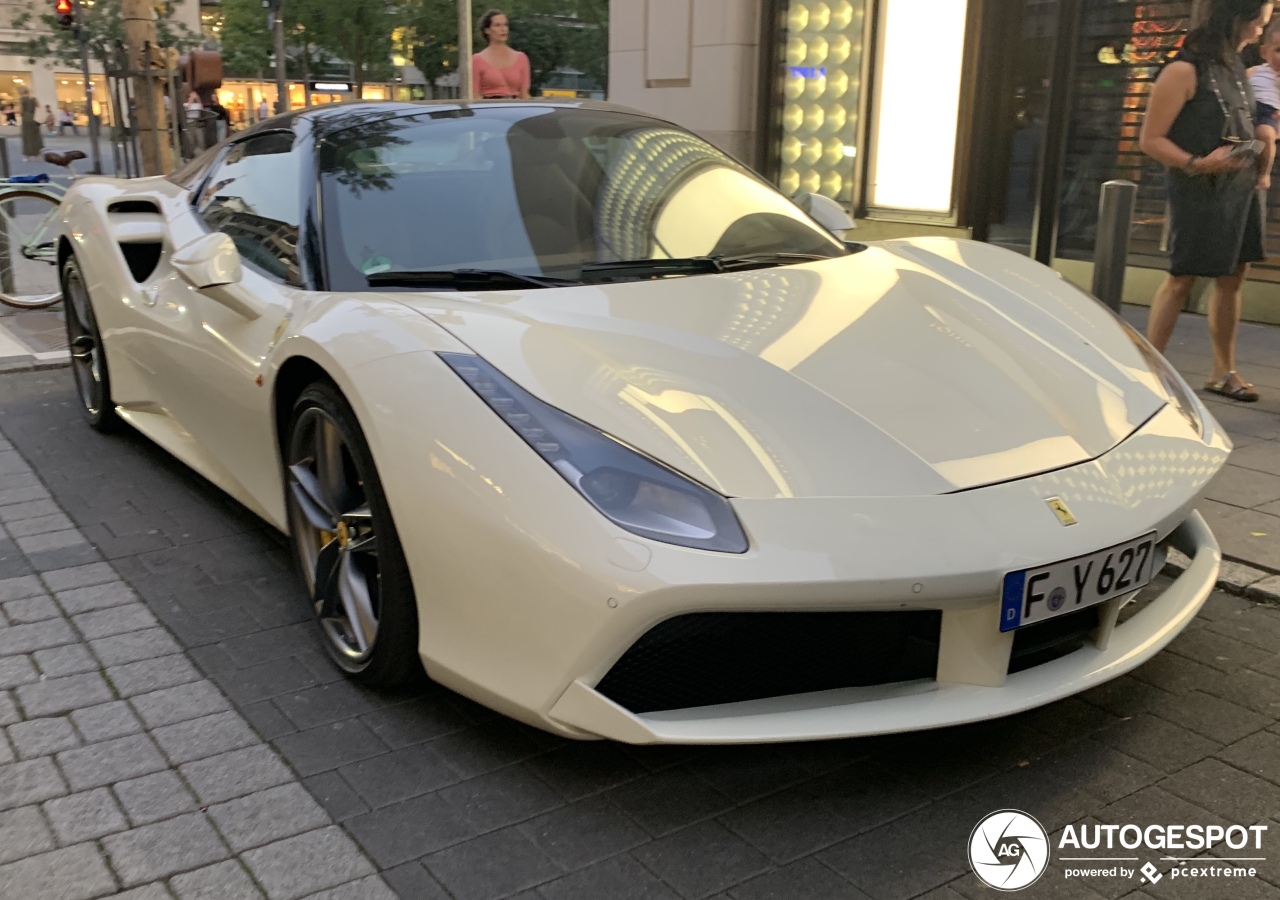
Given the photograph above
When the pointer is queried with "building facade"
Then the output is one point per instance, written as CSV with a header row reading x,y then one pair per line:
x,y
52,82
997,120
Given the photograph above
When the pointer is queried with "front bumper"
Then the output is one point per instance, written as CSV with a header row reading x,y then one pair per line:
x,y
527,612
910,706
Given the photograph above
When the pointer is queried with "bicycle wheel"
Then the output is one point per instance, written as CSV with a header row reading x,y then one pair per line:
x,y
28,248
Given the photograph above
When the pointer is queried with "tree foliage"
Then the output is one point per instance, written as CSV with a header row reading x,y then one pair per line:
x,y
104,31
363,33
554,33
246,40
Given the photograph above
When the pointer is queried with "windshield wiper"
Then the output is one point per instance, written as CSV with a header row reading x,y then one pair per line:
x,y
465,279
691,265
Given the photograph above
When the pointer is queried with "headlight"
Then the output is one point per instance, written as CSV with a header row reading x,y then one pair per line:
x,y
1180,396
635,492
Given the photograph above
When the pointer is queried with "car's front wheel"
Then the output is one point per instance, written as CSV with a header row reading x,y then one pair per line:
x,y
88,357
345,542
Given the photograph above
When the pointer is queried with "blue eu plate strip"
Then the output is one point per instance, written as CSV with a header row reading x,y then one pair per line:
x,y
1011,607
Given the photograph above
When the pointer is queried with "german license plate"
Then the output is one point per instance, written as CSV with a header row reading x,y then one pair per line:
x,y
1034,595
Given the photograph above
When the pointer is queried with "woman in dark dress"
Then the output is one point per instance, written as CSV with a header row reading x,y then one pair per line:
x,y
31,142
1200,108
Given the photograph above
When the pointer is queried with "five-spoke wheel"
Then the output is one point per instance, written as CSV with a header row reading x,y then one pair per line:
x,y
345,541
88,359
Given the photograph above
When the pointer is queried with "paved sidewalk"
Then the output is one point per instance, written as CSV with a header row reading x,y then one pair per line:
x,y
452,801
1243,503
121,766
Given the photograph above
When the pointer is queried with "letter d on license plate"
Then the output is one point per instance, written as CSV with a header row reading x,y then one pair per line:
x,y
1034,595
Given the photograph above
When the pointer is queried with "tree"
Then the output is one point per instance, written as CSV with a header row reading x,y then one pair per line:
x,y
429,36
104,30
558,33
359,31
245,39
544,42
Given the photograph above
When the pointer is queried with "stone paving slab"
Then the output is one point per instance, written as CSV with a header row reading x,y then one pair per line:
x,y
1244,514
94,784
443,799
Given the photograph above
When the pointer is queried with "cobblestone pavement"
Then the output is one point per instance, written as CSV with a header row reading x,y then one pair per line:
x,y
121,766
450,800
1243,504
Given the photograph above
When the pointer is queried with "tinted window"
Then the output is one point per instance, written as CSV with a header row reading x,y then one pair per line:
x,y
190,175
541,192
253,196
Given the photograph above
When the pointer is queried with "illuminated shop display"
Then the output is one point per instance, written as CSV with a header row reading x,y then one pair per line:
x,y
822,97
918,104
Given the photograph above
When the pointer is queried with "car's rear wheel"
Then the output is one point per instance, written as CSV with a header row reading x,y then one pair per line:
x,y
345,542
88,357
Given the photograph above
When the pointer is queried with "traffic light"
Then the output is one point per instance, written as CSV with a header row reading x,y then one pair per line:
x,y
65,11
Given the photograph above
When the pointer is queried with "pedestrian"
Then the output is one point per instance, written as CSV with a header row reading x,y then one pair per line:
x,y
193,106
263,111
50,121
1265,81
498,71
10,114
66,119
31,142
222,118
1200,125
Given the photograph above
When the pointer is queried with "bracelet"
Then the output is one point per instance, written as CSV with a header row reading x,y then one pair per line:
x,y
1189,167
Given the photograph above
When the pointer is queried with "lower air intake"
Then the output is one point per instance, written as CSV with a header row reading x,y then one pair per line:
x,y
702,659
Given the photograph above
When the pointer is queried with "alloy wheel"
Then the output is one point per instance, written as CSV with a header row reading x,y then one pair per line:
x,y
333,528
84,344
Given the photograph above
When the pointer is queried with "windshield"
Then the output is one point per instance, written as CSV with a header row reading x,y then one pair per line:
x,y
541,191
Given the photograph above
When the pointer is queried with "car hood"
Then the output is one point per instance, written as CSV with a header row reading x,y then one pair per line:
x,y
913,367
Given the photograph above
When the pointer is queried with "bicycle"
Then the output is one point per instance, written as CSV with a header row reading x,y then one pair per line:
x,y
29,207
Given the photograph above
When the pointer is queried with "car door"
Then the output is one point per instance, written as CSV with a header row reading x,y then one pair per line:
x,y
210,357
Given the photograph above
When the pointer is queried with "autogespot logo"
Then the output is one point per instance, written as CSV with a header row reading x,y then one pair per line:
x,y
1009,850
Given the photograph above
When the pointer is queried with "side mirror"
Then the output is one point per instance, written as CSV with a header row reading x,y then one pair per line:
x,y
212,264
827,213
208,261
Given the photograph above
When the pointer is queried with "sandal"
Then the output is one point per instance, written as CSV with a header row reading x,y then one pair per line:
x,y
1243,392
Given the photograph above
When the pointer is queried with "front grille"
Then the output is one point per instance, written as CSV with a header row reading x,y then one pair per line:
x,y
1035,645
703,659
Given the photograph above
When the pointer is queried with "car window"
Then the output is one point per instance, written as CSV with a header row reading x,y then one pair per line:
x,y
541,191
254,197
190,175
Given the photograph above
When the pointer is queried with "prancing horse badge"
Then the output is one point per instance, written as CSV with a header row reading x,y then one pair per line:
x,y
1061,511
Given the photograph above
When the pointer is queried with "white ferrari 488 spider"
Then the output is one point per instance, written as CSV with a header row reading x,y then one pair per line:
x,y
562,403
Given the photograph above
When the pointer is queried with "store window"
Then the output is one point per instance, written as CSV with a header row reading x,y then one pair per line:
x,y
817,143
1121,51
70,91
11,85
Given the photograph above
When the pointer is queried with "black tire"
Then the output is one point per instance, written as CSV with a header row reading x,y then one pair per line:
x,y
337,569
35,231
88,355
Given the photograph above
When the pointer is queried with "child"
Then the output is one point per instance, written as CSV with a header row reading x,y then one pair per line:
x,y
1265,80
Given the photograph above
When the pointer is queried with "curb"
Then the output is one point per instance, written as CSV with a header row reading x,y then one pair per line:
x,y
32,363
1234,577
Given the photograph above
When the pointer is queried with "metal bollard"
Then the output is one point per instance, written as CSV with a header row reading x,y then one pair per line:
x,y
1111,248
6,212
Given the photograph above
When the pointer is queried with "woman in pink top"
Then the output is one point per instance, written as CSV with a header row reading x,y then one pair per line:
x,y
498,71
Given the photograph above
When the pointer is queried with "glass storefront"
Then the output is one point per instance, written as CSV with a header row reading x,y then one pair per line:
x,y
1121,50
817,146
71,95
11,84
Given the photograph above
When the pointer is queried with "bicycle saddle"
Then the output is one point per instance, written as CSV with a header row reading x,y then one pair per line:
x,y
62,159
